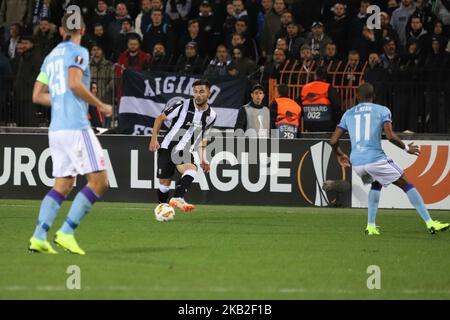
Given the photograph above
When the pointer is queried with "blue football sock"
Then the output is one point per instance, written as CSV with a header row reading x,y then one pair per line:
x,y
49,209
81,205
374,199
416,200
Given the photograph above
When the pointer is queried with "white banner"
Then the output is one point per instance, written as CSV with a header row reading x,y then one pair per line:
x,y
429,173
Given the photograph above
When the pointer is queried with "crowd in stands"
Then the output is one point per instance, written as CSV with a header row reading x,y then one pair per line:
x,y
248,38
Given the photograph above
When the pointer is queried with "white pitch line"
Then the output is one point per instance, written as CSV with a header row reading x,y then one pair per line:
x,y
49,288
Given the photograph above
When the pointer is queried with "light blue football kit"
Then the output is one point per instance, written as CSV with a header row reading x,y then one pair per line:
x,y
74,148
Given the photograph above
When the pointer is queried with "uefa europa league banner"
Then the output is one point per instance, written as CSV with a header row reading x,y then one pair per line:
x,y
246,171
145,94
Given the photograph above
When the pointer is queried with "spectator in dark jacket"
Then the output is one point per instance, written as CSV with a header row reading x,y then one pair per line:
x,y
45,37
160,59
158,31
220,65
244,65
27,114
337,28
193,34
133,59
190,62
102,14
115,25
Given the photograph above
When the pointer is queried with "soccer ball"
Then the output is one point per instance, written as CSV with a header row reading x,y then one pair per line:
x,y
164,212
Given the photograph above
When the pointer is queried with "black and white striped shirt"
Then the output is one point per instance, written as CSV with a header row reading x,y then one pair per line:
x,y
187,125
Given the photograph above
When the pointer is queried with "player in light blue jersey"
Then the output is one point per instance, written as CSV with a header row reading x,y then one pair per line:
x,y
63,85
365,123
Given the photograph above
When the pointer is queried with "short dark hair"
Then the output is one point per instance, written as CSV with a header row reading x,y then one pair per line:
x,y
202,82
134,36
283,90
366,91
321,73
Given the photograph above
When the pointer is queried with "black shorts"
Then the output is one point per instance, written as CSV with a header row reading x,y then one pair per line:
x,y
168,160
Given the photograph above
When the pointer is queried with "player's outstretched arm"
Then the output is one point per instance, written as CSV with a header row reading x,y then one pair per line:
x,y
41,95
394,139
154,144
79,89
343,159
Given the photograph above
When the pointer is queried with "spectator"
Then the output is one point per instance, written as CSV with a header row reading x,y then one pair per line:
x,y
101,15
389,58
437,32
5,78
331,59
321,107
160,60
158,31
243,64
94,115
102,72
115,25
417,32
100,38
442,11
121,43
14,38
146,17
352,70
27,114
220,64
272,25
13,11
285,114
37,11
392,5
357,23
375,74
239,9
337,28
45,37
230,20
133,59
367,43
294,38
178,11
282,44
285,19
193,35
307,11
146,6
400,17
190,62
273,68
410,59
250,46
424,12
387,31
267,6
253,119
317,40
209,26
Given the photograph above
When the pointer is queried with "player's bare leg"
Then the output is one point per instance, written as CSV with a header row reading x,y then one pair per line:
x,y
188,172
416,200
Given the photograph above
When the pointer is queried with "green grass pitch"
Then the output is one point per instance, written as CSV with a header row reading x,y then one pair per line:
x,y
227,252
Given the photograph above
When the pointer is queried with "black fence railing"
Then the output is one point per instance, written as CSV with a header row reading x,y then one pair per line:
x,y
419,100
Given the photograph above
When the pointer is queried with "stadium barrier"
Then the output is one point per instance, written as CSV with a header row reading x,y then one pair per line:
x,y
418,97
291,174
